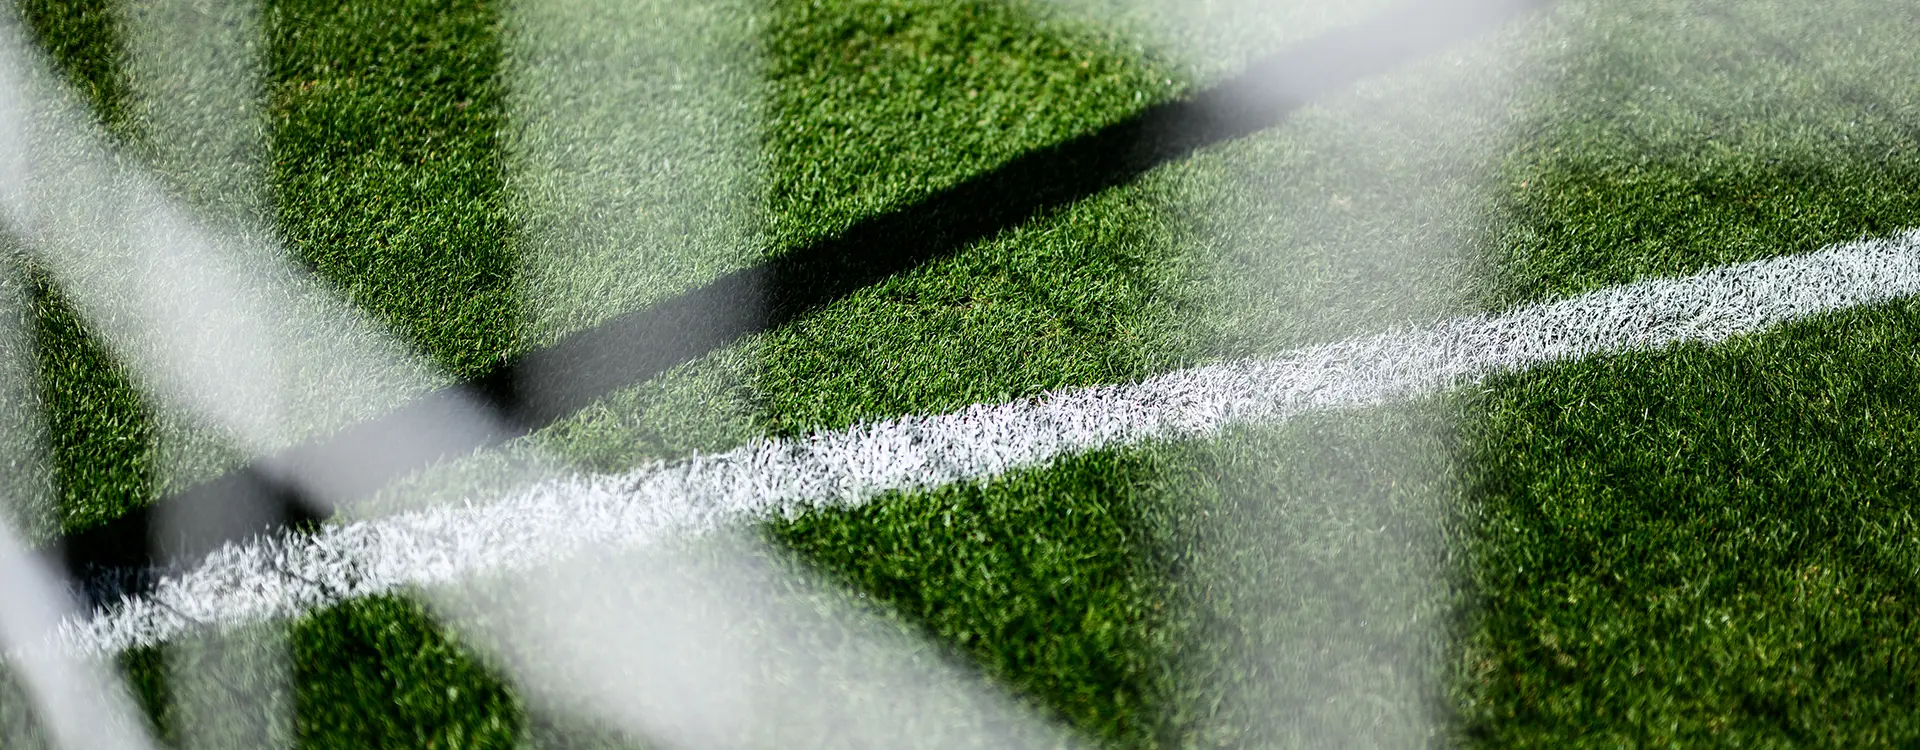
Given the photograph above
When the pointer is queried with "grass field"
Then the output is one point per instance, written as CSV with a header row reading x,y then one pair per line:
x,y
1702,544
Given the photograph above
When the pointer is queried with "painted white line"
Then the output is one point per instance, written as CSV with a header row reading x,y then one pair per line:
x,y
281,578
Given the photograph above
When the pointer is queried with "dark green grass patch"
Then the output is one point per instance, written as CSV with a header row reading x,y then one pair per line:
x,y
83,40
379,673
880,102
1584,224
1704,546
1052,580
386,161
100,438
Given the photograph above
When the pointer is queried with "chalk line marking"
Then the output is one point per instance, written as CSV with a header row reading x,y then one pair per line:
x,y
284,576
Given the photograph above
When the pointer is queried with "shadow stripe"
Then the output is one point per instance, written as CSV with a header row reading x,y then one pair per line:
x,y
543,386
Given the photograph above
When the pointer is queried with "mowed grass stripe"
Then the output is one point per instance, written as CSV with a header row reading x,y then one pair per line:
x,y
1712,546
387,174
100,433
407,161
387,166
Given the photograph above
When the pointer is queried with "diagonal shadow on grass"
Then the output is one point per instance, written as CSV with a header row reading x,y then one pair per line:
x,y
542,386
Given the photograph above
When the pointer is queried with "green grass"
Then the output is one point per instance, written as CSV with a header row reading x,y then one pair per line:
x,y
380,673
633,147
1709,545
1661,154
879,102
386,121
83,41
98,425
1050,580
100,438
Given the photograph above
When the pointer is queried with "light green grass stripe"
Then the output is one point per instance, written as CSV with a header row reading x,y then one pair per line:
x,y
1710,546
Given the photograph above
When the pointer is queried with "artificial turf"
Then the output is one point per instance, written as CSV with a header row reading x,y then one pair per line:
x,y
1706,545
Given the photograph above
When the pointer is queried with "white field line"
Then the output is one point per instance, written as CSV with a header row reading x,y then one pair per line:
x,y
278,578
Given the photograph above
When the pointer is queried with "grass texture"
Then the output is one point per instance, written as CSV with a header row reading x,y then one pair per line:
x,y
1698,546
